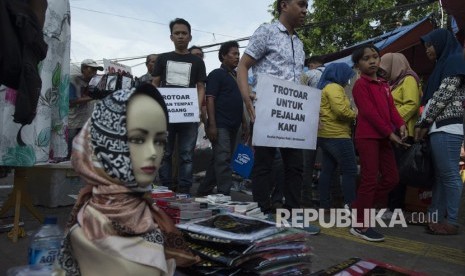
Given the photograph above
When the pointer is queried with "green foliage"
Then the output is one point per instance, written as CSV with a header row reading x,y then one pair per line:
x,y
272,9
332,25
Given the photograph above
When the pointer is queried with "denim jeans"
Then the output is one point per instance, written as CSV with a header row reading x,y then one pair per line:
x,y
187,137
219,171
447,189
262,176
337,151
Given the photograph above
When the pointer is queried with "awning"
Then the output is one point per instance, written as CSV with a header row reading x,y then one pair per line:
x,y
397,40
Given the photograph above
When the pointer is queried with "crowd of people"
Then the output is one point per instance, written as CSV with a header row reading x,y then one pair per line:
x,y
386,108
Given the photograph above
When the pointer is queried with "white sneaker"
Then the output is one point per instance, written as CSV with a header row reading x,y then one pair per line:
x,y
369,234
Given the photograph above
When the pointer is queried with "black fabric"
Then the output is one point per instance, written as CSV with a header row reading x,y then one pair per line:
x,y
416,165
449,60
170,65
227,96
23,47
10,52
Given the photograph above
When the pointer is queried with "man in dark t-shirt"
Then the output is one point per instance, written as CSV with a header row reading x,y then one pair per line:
x,y
225,114
180,69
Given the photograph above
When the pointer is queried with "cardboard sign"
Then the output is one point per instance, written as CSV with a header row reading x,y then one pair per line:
x,y
287,114
182,104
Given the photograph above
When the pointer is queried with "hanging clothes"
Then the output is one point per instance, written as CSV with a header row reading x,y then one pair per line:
x,y
45,138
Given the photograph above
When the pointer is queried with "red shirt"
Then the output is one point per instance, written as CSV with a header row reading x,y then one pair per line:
x,y
377,116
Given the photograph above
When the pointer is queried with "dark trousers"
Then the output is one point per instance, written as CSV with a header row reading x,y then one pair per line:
x,y
278,179
187,137
219,171
309,157
262,176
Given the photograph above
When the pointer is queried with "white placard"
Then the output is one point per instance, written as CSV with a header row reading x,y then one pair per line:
x,y
286,114
115,67
182,104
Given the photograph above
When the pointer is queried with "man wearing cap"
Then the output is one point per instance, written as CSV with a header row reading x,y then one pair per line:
x,y
80,104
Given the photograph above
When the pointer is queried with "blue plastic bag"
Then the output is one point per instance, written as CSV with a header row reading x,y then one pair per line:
x,y
242,161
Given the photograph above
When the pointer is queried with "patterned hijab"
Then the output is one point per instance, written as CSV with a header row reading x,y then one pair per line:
x,y
449,62
397,68
338,72
108,134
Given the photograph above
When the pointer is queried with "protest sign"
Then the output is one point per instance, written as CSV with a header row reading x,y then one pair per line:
x,y
182,104
287,114
116,70
115,67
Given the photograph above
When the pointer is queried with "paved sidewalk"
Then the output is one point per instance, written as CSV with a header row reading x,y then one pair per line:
x,y
409,247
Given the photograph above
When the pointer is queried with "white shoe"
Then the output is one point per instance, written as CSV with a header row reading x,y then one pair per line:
x,y
369,234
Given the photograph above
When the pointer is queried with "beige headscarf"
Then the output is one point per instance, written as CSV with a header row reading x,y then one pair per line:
x,y
397,68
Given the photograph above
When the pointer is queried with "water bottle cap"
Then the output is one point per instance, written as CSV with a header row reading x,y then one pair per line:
x,y
50,220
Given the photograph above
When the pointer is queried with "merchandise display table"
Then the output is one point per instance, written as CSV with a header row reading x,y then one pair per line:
x,y
45,184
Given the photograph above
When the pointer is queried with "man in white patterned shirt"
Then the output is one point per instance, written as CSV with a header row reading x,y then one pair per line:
x,y
276,50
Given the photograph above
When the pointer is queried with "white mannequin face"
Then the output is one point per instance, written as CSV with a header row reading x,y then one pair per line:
x,y
146,124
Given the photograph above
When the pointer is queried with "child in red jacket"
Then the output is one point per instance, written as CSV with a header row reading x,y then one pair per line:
x,y
377,123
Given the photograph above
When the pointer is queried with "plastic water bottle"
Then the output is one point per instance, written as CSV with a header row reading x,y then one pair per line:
x,y
45,243
30,270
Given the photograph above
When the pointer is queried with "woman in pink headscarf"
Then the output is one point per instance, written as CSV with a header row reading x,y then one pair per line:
x,y
406,92
405,87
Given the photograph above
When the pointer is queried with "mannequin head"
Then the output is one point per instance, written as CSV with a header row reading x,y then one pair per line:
x,y
146,125
128,132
